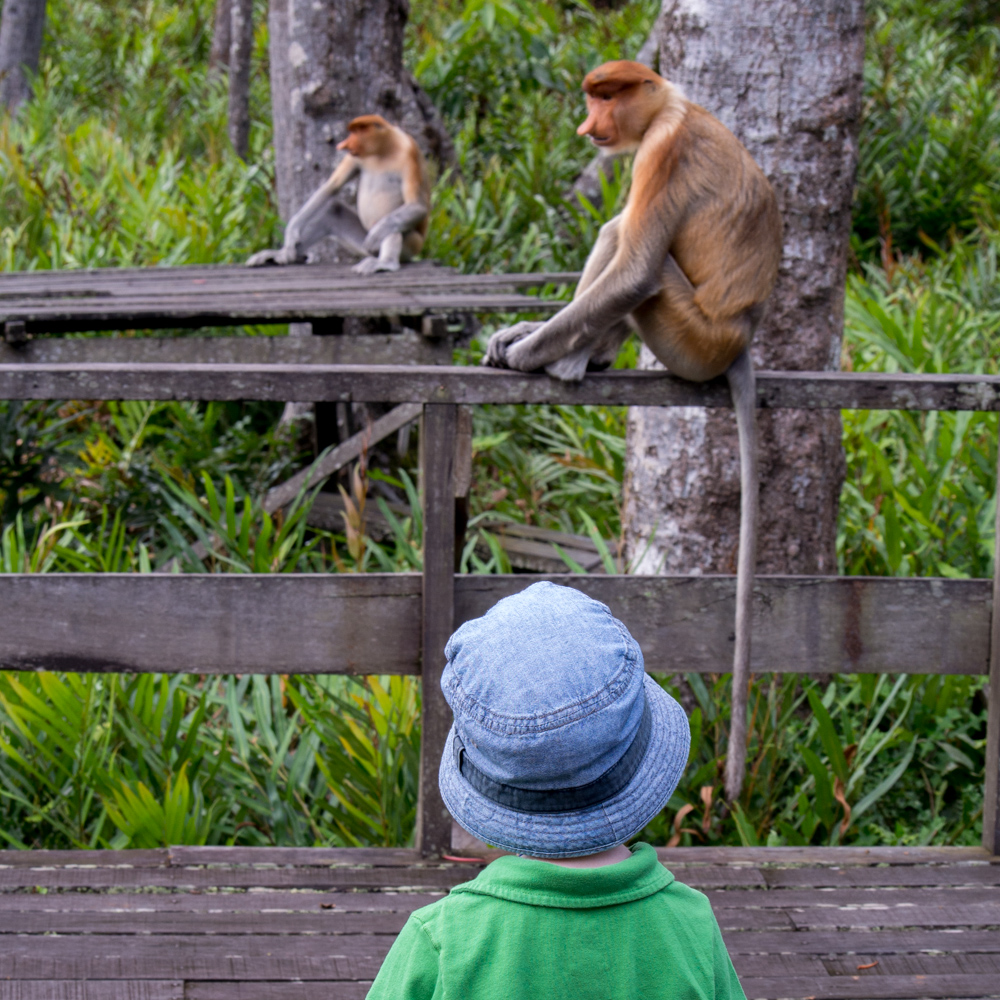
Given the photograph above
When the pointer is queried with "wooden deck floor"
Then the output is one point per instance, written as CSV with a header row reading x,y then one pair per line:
x,y
315,924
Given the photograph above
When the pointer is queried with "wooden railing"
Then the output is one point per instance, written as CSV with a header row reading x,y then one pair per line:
x,y
399,623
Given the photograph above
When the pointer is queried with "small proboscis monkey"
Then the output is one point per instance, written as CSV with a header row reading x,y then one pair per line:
x,y
394,199
688,264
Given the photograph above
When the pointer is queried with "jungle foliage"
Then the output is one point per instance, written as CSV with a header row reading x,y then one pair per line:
x,y
122,159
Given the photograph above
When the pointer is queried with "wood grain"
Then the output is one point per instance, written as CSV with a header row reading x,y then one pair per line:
x,y
277,991
276,623
407,348
438,436
441,384
108,989
871,987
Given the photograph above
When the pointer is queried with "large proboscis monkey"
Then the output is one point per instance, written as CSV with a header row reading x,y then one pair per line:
x,y
390,223
688,264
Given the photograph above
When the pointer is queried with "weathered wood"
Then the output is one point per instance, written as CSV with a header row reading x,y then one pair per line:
x,y
107,989
917,875
440,384
405,348
438,434
991,798
961,914
801,624
152,905
156,858
179,922
879,897
277,991
677,857
860,942
375,857
176,956
443,878
870,987
212,623
237,623
326,465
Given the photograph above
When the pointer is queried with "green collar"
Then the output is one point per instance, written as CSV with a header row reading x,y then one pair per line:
x,y
540,883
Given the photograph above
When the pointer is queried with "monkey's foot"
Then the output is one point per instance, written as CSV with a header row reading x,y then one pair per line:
x,y
270,258
501,341
370,265
571,368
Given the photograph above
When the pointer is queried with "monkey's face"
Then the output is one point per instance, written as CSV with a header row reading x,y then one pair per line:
x,y
616,121
367,136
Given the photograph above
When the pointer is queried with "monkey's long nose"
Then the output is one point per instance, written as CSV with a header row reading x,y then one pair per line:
x,y
588,126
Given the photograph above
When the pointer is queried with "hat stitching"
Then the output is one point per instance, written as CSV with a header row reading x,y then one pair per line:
x,y
507,725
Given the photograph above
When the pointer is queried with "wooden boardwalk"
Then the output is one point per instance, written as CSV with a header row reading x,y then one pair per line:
x,y
231,295
314,924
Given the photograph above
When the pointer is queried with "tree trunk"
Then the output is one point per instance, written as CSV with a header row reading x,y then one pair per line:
x,y
240,54
22,25
332,60
222,35
785,76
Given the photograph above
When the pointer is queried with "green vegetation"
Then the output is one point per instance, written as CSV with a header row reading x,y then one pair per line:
x,y
122,160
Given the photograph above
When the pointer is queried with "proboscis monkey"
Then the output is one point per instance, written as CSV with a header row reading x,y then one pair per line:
x,y
394,199
688,264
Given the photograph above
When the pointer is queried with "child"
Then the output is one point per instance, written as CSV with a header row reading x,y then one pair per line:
x,y
561,751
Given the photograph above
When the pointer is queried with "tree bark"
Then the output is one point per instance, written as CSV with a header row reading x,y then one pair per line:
x,y
22,26
240,54
222,36
332,60
785,76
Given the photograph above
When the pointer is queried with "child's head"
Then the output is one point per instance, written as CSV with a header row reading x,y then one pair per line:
x,y
561,746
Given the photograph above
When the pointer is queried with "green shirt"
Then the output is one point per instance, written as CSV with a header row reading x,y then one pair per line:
x,y
528,929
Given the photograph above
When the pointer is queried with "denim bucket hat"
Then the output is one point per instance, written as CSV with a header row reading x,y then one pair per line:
x,y
561,745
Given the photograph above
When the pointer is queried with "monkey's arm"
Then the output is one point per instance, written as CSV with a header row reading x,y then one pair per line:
x,y
621,273
311,222
401,220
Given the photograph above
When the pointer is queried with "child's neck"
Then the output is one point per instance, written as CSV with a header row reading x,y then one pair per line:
x,y
609,857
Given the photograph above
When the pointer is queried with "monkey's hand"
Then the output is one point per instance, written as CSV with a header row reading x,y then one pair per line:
x,y
503,340
400,220
264,258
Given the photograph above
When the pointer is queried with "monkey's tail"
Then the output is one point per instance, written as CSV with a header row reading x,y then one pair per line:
x,y
743,387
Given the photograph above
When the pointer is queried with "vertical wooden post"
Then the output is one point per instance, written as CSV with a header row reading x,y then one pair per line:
x,y
438,434
991,802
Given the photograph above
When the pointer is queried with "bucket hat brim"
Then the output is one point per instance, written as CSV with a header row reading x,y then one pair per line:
x,y
585,831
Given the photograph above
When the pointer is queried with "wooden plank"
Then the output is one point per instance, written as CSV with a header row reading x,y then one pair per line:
x,y
380,857
277,991
326,465
837,856
247,957
991,798
890,876
108,989
215,923
132,859
960,914
869,987
862,942
884,896
407,348
438,435
221,623
155,903
801,624
470,385
238,878
917,965
239,308
333,623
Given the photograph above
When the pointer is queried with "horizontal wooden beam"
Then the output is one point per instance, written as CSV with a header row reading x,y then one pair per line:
x,y
404,348
439,384
230,623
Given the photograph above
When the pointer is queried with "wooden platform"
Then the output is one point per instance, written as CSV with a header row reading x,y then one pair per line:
x,y
228,295
314,924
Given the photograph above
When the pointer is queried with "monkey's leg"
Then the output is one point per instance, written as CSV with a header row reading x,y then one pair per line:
x,y
515,346
322,215
387,259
